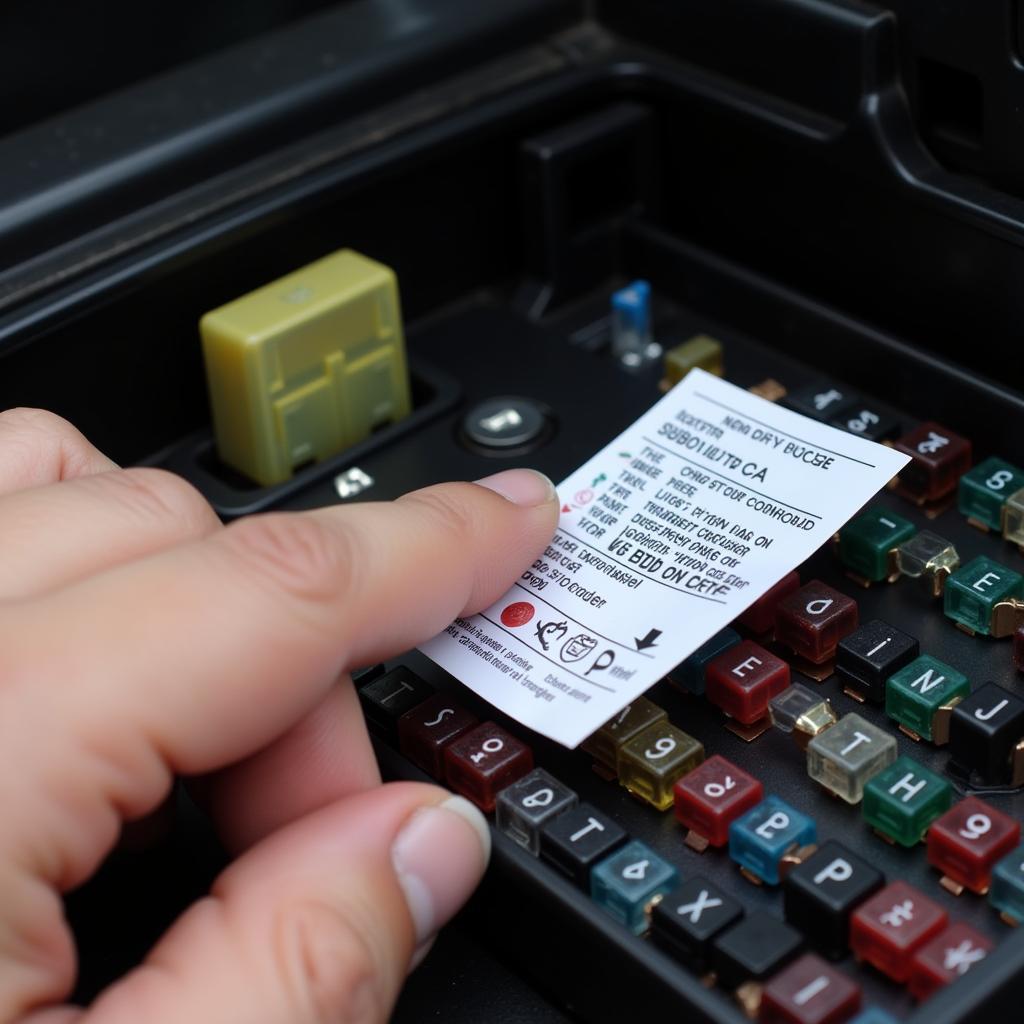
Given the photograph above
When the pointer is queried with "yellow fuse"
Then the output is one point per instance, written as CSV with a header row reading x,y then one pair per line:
x,y
306,366
650,764
701,350
605,745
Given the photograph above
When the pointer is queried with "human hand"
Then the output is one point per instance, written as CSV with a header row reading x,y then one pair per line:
x,y
140,639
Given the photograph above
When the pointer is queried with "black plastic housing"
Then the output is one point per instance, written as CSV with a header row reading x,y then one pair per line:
x,y
833,188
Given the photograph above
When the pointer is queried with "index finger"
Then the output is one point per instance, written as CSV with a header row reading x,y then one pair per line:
x,y
194,658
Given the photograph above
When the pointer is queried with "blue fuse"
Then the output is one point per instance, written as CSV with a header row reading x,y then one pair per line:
x,y
625,883
689,675
1006,888
632,342
761,838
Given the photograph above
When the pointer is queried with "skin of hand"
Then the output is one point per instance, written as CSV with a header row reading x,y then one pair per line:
x,y
142,640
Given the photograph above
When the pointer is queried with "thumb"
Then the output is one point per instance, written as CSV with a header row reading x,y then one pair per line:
x,y
316,923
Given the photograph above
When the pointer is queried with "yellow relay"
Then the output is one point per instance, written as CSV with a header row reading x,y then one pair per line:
x,y
306,366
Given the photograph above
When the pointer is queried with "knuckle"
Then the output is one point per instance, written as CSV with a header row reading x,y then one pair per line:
x,y
296,554
156,494
327,969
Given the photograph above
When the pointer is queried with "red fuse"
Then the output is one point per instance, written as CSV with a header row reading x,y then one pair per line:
x,y
813,620
938,458
965,843
744,679
759,618
710,797
484,761
424,732
809,991
892,926
947,957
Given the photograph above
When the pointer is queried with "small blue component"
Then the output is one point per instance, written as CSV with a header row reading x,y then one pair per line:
x,y
632,343
760,838
690,674
1006,891
626,882
632,307
873,1015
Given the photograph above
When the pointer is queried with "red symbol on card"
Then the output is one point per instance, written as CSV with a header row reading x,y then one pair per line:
x,y
584,497
517,614
566,508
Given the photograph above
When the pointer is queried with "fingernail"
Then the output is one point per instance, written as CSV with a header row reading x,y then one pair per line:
x,y
521,486
439,856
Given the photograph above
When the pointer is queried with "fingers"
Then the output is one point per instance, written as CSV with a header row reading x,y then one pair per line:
x,y
196,657
37,447
317,923
52,535
323,758
252,627
199,656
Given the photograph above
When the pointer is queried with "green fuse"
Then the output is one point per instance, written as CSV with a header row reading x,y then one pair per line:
x,y
868,543
985,597
922,695
984,490
901,802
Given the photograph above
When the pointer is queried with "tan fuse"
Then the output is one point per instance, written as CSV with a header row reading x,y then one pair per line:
x,y
306,366
699,351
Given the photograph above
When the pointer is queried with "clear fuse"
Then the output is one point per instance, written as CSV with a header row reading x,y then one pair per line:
x,y
801,713
1013,519
928,557
846,757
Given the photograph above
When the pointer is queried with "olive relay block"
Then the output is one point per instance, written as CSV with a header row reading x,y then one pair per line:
x,y
306,366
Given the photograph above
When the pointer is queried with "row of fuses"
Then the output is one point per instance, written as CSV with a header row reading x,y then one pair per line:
x,y
826,889
990,494
852,758
983,596
834,901
881,545
875,662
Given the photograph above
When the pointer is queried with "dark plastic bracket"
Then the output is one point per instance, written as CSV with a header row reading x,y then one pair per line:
x,y
232,495
578,182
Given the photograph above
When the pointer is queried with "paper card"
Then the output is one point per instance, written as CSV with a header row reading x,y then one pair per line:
x,y
666,535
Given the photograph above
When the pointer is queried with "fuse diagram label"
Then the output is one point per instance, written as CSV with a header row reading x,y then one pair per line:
x,y
666,535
